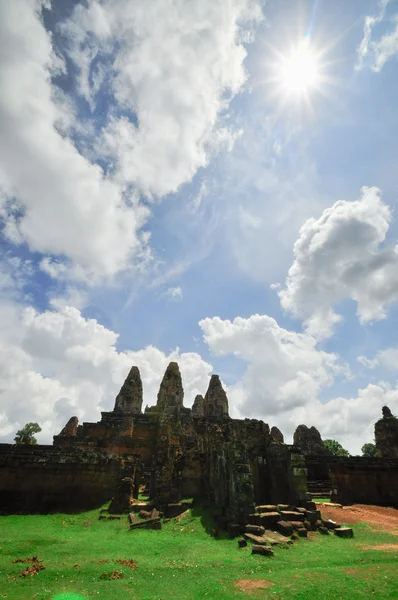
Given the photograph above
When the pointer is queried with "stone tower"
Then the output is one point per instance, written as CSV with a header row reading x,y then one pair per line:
x,y
310,441
198,406
215,402
171,392
129,399
386,435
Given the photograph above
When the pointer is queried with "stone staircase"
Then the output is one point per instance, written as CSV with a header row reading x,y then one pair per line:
x,y
319,489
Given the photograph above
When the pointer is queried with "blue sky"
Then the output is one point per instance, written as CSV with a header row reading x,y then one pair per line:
x,y
212,184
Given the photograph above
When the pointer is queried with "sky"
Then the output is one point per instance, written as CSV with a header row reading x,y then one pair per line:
x,y
208,182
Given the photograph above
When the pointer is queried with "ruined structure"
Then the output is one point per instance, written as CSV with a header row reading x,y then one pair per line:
x,y
309,441
173,452
386,435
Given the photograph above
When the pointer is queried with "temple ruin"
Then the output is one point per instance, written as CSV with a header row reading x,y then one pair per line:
x,y
170,453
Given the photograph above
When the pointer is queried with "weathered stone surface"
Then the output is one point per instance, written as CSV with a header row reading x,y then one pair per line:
x,y
324,530
313,516
310,505
386,435
290,515
198,406
283,507
302,532
276,539
122,500
276,435
70,428
242,543
215,402
255,529
296,525
171,392
346,532
133,519
257,539
309,441
263,550
129,399
269,520
154,513
266,508
329,523
147,524
285,528
234,530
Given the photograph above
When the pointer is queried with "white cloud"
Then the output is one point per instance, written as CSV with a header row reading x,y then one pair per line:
x,y
285,369
339,256
376,52
285,376
66,206
177,65
57,364
175,293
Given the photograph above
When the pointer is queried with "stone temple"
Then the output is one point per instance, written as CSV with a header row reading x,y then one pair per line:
x,y
170,453
176,452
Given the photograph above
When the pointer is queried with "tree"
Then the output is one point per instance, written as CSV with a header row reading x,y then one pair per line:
x,y
26,434
335,448
369,450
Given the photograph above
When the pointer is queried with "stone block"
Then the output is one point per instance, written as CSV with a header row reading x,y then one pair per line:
x,y
147,524
329,523
263,550
301,510
234,530
266,508
285,528
346,532
255,529
290,515
309,505
313,516
261,540
255,519
242,543
302,532
324,530
283,507
296,525
269,520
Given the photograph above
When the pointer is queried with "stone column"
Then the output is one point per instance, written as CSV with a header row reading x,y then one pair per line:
x,y
129,399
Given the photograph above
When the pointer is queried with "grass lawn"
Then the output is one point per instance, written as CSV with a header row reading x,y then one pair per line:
x,y
183,562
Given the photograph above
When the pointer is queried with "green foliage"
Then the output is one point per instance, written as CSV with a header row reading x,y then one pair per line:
x,y
26,434
184,562
369,450
335,448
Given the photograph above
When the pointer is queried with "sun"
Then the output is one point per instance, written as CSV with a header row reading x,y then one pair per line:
x,y
298,73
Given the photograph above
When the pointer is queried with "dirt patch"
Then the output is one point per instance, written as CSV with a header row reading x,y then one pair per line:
x,y
34,559
127,563
378,517
112,575
382,547
32,570
251,585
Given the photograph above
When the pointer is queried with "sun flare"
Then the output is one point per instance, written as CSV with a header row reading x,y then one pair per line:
x,y
298,72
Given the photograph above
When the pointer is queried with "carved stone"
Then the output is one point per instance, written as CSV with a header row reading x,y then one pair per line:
x,y
129,399
215,402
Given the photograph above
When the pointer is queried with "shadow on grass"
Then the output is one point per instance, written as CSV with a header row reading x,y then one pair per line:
x,y
208,521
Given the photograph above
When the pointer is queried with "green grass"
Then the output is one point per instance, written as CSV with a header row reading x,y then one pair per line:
x,y
183,562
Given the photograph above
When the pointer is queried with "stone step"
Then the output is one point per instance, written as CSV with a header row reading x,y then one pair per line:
x,y
290,515
263,508
256,539
147,524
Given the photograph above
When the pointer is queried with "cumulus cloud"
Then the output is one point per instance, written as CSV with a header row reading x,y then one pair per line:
x,y
285,369
374,53
341,255
57,363
64,204
284,378
172,64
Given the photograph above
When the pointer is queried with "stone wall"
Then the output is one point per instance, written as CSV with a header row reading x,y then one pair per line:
x,y
49,479
365,481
